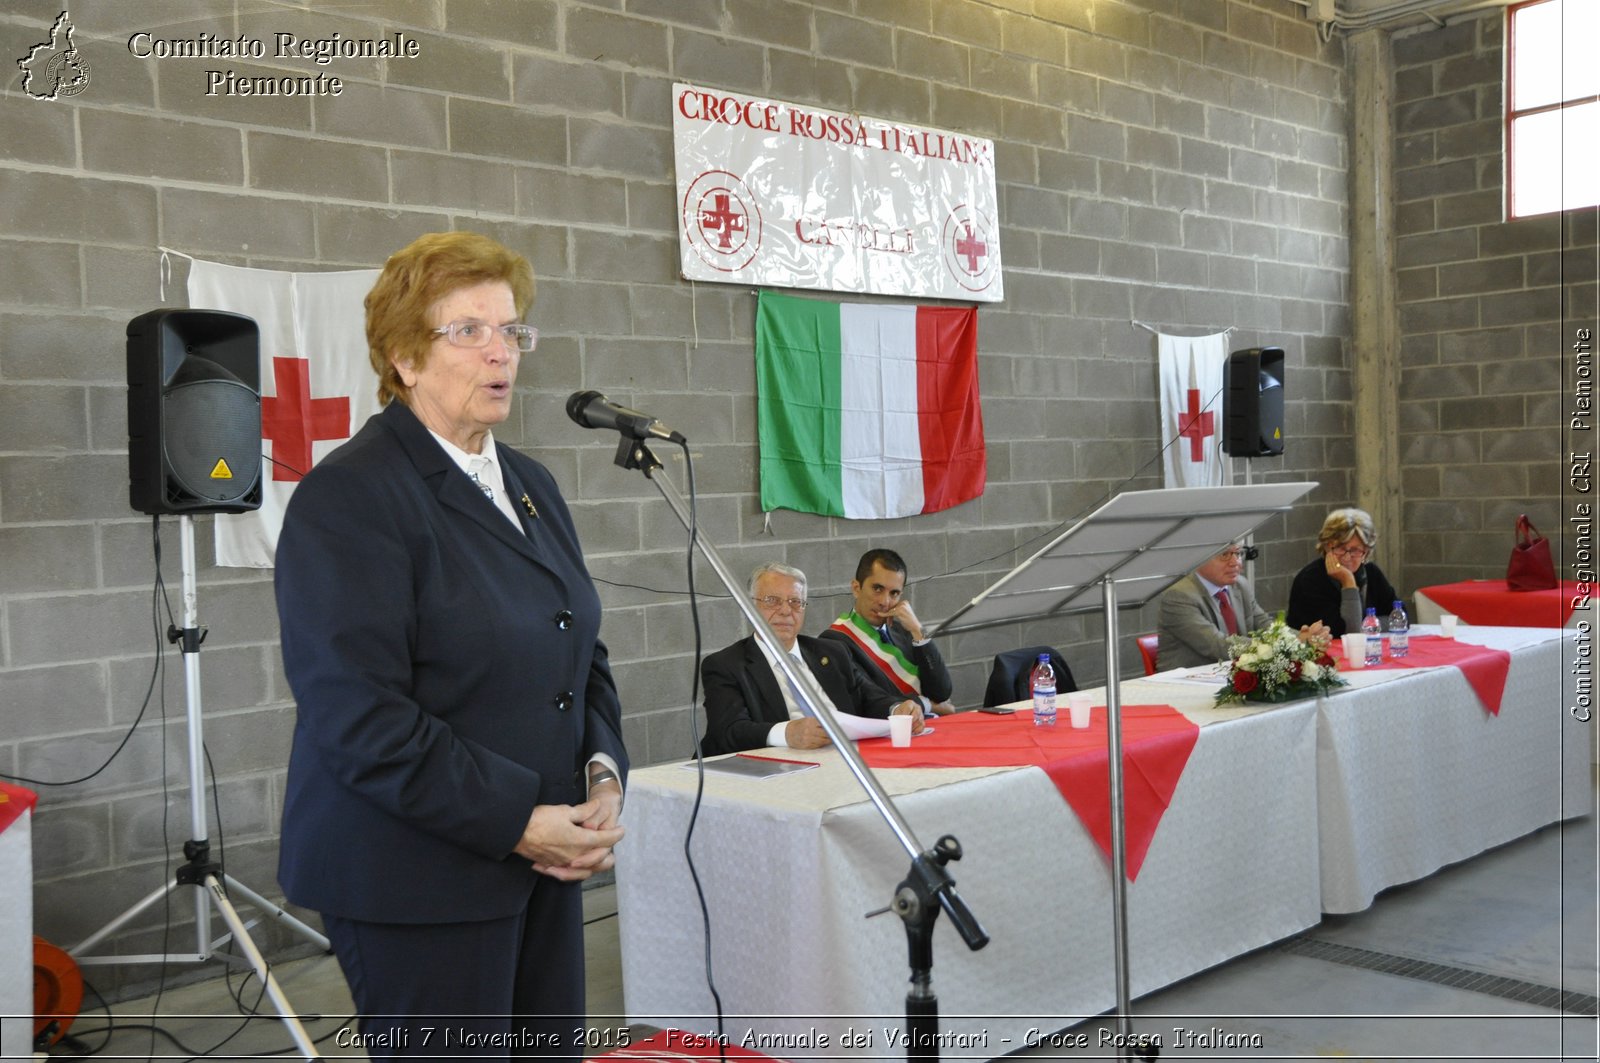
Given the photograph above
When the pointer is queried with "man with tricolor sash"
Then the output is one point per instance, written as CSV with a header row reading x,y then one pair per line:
x,y
886,639
751,703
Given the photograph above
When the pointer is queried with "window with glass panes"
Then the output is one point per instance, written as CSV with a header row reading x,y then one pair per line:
x,y
1552,106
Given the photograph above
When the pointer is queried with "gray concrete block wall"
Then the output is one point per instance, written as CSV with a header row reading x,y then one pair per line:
x,y
1487,313
1181,165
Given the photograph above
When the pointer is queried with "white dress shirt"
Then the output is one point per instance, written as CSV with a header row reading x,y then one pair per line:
x,y
775,737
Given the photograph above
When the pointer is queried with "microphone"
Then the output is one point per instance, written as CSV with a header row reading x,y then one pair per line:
x,y
591,409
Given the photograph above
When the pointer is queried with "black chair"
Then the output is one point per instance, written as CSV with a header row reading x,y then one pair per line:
x,y
1009,679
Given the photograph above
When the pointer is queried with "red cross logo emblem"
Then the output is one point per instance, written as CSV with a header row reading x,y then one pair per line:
x,y
1195,426
967,245
722,221
970,248
293,420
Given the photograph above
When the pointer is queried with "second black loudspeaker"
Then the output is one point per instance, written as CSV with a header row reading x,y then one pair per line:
x,y
1252,403
194,412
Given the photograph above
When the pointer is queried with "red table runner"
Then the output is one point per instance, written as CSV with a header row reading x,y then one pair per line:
x,y
1491,602
1156,742
1485,669
14,801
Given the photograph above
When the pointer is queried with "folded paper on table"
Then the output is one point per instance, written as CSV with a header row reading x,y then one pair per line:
x,y
1156,743
858,727
750,766
1206,675
1484,669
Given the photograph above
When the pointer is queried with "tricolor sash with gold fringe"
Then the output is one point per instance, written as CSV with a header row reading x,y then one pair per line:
x,y
894,664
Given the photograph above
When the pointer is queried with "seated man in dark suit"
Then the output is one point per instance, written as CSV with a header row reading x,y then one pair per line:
x,y
1201,610
750,704
885,637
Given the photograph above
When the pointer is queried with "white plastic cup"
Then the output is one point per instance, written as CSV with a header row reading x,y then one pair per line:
x,y
1078,707
1355,650
1447,625
900,729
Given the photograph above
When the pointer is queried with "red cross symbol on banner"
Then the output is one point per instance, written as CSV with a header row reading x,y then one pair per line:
x,y
722,221
971,248
293,420
1195,426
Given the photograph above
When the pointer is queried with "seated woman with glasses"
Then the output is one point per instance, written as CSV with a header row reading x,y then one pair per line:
x,y
1341,584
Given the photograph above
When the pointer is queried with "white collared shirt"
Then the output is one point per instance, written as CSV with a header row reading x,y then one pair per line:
x,y
775,737
487,467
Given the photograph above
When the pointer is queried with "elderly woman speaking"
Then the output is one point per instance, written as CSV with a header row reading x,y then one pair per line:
x,y
457,763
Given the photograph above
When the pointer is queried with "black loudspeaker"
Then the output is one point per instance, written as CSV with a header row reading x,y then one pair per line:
x,y
194,412
1252,403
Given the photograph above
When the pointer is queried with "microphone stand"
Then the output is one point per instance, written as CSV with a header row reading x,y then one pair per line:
x,y
927,888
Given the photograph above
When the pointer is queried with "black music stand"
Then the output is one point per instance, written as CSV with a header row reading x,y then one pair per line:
x,y
1141,542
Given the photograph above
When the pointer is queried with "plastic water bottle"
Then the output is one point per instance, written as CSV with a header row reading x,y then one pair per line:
x,y
1369,627
1399,631
1043,682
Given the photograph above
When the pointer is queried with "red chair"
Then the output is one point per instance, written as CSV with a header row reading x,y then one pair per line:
x,y
1148,645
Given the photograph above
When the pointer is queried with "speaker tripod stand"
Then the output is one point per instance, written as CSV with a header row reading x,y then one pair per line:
x,y
211,885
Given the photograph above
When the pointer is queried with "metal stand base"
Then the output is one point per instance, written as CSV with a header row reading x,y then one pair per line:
x,y
199,870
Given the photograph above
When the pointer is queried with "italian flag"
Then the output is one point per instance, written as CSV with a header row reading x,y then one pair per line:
x,y
867,410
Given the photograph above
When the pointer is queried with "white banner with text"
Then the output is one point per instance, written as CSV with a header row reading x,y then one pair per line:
x,y
799,197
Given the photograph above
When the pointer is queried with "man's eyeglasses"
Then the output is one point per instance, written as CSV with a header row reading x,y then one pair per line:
x,y
773,602
475,335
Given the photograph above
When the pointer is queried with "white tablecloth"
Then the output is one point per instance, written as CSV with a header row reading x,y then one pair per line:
x,y
1413,774
16,939
1280,814
791,865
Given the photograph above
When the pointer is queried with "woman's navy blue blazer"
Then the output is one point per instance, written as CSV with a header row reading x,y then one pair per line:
x,y
447,673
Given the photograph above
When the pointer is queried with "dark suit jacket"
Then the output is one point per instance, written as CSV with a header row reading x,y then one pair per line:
x,y
447,674
1191,631
743,700
931,672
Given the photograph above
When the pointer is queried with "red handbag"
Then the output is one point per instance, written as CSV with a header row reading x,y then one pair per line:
x,y
1530,568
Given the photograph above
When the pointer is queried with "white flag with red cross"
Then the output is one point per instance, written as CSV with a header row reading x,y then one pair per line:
x,y
317,385
1192,370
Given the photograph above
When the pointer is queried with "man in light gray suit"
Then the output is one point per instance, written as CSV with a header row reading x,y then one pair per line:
x,y
1201,610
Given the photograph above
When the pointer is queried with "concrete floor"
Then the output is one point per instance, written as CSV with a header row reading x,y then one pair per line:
x,y
1492,944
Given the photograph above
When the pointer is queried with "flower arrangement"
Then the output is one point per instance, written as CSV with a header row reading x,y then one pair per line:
x,y
1276,664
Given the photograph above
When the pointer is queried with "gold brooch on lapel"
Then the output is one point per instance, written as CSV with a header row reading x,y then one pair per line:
x,y
527,504
824,662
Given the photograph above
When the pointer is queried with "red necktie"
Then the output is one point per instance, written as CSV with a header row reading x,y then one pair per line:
x,y
1229,621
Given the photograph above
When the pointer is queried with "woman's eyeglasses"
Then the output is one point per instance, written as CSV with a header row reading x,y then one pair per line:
x,y
475,335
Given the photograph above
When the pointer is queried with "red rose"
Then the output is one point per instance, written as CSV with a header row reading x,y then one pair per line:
x,y
1294,671
1326,660
1244,682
